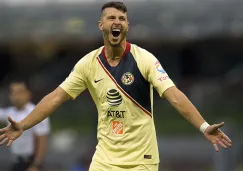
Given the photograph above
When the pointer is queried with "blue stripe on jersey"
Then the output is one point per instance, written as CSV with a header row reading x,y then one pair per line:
x,y
139,90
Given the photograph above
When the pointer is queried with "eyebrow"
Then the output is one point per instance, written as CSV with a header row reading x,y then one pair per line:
x,y
115,16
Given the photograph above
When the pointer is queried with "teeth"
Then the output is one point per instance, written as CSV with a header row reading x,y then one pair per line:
x,y
116,30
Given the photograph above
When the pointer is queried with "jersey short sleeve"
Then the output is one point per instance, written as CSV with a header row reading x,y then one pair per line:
x,y
42,128
157,76
153,72
75,83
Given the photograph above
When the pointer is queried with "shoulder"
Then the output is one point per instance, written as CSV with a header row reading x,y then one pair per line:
x,y
84,64
142,55
139,52
87,60
90,56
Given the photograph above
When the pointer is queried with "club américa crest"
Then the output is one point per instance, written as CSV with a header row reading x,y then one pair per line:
x,y
127,78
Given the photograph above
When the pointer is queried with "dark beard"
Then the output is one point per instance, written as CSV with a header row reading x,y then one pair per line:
x,y
106,34
116,44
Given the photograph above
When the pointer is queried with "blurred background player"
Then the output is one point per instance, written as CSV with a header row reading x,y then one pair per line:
x,y
29,150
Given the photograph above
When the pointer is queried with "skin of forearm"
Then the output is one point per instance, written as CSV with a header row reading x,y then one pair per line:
x,y
41,147
183,105
44,108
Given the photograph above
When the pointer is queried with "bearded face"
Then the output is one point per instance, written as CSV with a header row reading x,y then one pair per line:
x,y
114,26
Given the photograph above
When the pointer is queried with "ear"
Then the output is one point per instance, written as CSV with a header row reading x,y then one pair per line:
x,y
100,25
127,26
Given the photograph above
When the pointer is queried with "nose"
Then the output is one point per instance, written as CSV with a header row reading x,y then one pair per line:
x,y
117,21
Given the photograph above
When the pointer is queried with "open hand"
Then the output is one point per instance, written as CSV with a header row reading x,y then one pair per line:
x,y
11,132
214,135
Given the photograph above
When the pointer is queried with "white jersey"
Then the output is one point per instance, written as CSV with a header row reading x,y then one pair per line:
x,y
25,144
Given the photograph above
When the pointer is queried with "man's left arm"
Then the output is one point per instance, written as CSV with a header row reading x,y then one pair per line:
x,y
155,74
183,105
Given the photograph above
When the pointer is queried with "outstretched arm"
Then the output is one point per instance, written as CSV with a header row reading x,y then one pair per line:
x,y
189,112
178,100
44,109
157,76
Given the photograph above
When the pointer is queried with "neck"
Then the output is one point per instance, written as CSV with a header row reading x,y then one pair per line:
x,y
20,107
114,52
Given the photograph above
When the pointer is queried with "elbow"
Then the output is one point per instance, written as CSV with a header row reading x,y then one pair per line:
x,y
53,98
174,102
178,105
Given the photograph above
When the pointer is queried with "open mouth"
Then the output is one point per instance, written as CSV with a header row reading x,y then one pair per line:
x,y
116,32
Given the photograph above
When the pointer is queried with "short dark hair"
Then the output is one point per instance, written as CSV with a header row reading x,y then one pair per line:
x,y
115,4
21,80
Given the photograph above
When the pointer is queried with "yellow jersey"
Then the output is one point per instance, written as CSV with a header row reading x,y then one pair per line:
x,y
123,96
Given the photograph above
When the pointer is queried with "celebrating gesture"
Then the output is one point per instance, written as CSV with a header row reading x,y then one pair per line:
x,y
29,151
214,135
120,77
11,132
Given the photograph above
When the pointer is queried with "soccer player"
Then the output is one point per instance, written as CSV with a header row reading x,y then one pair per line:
x,y
120,77
29,150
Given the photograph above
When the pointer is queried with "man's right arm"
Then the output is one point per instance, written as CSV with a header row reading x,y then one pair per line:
x,y
74,84
45,108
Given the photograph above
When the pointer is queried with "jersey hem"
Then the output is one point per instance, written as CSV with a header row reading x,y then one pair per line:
x,y
125,163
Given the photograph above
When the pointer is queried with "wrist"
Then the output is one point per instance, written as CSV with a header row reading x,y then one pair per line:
x,y
203,127
22,126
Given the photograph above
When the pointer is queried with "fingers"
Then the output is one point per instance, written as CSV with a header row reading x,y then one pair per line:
x,y
215,147
2,137
222,144
3,129
3,141
226,142
218,137
11,120
227,138
216,140
219,125
9,143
